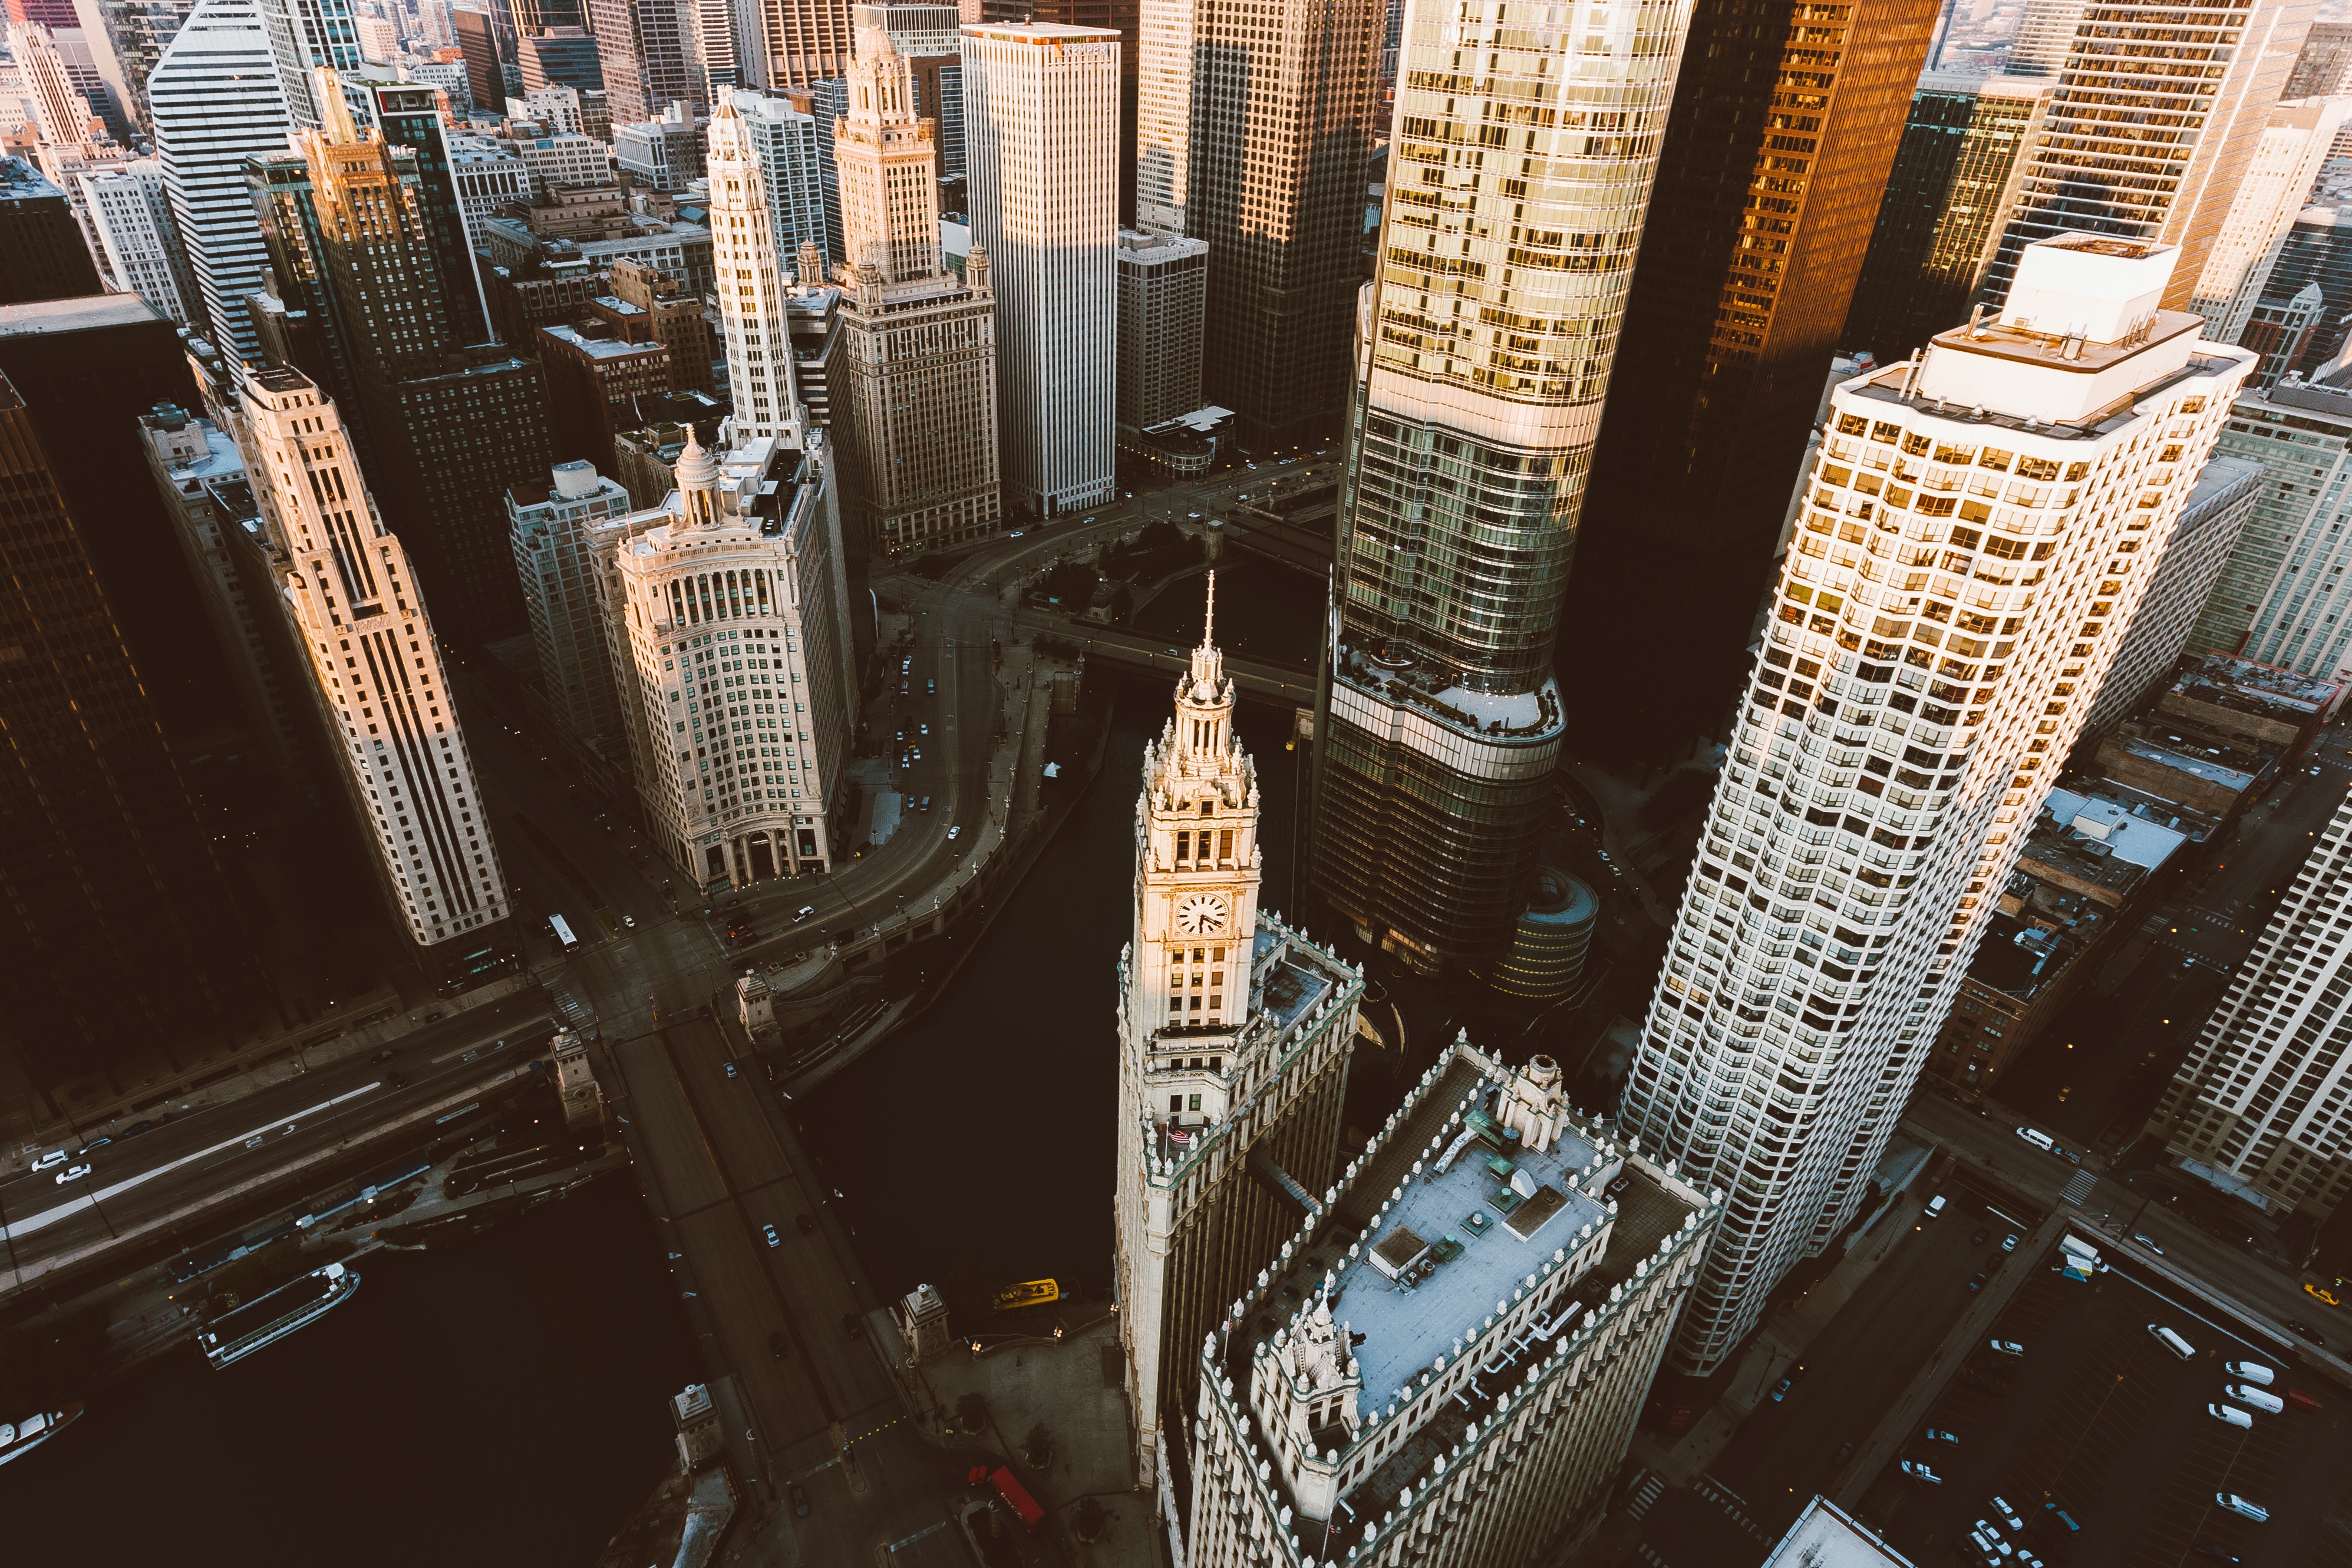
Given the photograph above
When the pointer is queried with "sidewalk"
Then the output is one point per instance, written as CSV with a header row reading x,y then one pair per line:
x,y
1074,1388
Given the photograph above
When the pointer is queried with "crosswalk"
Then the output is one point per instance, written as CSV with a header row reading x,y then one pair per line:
x,y
2078,1191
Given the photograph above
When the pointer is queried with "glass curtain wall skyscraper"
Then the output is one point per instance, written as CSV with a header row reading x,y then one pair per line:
x,y
1980,528
1505,252
2158,115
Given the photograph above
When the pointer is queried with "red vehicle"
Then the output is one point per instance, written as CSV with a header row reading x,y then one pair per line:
x,y
2300,1400
1014,1494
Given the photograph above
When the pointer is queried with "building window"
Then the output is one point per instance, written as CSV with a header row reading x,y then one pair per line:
x,y
1196,1104
1175,1103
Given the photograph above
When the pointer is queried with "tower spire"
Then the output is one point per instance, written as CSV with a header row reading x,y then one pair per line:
x,y
1209,622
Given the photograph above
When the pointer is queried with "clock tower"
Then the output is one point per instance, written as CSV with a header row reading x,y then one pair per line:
x,y
1196,878
1235,1031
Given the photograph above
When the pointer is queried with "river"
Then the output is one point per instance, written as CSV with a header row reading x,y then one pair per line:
x,y
500,1402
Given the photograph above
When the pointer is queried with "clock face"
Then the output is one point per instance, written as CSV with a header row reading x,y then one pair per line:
x,y
1199,913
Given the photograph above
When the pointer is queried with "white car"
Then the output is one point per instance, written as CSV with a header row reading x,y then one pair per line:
x,y
1192,514
1919,1472
54,1157
2229,1414
630,920
2148,1242
72,1172
955,831
2007,1514
2238,1505
1988,1542
2249,1371
770,1233
1018,533
804,911
2006,1347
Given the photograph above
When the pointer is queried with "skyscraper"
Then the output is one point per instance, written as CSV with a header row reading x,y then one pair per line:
x,y
2282,598
2324,65
409,116
131,211
1980,526
377,676
1268,106
139,30
739,570
1946,196
800,42
1775,159
649,57
121,929
1163,289
445,423
1234,1035
216,102
795,165
558,571
750,283
2045,35
1041,121
1121,16
929,38
42,255
307,37
2275,188
486,76
2094,169
560,57
918,434
2257,1108
1479,1417
1438,720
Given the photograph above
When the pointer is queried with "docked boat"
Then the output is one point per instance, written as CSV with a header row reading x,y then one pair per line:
x,y
1028,1293
239,1331
18,1439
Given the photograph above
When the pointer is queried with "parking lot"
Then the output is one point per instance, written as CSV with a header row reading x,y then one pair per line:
x,y
2098,1417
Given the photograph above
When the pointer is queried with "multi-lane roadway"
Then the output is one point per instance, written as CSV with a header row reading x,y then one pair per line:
x,y
163,1184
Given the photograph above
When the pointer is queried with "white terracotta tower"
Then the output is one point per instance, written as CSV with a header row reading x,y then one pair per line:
x,y
750,281
1233,1038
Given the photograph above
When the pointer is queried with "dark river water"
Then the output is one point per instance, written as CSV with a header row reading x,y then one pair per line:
x,y
501,1402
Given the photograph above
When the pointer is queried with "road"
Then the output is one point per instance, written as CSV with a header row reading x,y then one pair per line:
x,y
170,1177
2268,1294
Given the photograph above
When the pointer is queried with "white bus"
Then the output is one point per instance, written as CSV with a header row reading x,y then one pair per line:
x,y
563,933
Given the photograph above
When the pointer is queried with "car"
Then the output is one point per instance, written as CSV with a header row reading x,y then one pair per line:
x,y
2314,770
804,1222
54,1157
2007,1515
1979,1238
2148,1242
930,686
804,912
1018,534
906,664
96,1143
2229,1414
849,1326
1938,1435
800,1503
2311,1290
72,1172
2006,1347
1919,1472
2252,1372
955,831
386,1054
136,1128
2028,1559
1788,1383
1178,652
1989,1543
2304,1330
1196,514
395,1080
1976,1281
922,729
778,1345
770,1233
2241,1507
731,1069
1993,1261
2253,1397
630,920
914,754
2009,1243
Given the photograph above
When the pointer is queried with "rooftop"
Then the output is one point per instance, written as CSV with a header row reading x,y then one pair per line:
x,y
604,348
2242,685
81,313
2126,835
2021,955
2182,756
1826,1536
20,182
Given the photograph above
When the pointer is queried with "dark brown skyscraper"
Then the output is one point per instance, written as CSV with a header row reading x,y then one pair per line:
x,y
118,926
1785,124
42,255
